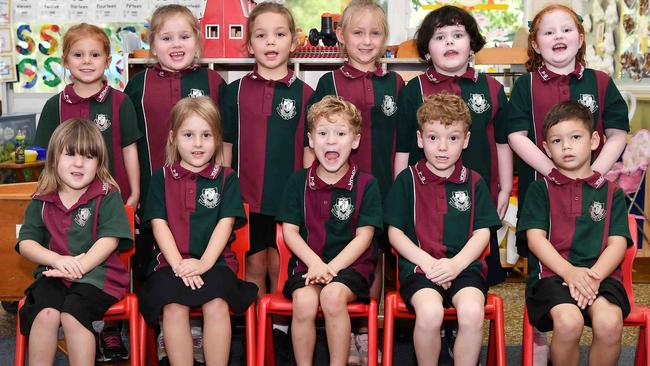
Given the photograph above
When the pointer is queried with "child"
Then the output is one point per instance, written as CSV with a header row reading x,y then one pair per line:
x,y
557,72
194,265
264,131
73,228
440,214
448,38
577,231
175,40
87,54
329,213
362,81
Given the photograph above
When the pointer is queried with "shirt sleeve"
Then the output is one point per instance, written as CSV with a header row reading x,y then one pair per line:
x,y
229,115
501,118
370,212
128,123
407,122
520,109
615,109
618,225
398,205
48,121
33,228
155,207
291,206
485,214
231,203
536,210
112,221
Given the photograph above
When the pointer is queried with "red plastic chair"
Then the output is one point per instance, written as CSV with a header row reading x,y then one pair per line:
x,y
639,315
395,307
240,246
125,309
276,303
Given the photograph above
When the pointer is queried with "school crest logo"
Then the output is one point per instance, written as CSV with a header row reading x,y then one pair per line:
x,y
287,109
102,122
83,214
460,200
388,105
588,101
343,208
195,93
477,103
597,211
210,198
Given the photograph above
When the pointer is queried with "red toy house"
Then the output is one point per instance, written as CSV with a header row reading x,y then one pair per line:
x,y
223,25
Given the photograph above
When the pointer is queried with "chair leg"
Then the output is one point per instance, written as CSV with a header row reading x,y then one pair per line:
x,y
250,335
261,330
389,329
21,340
491,348
500,335
527,343
372,333
134,341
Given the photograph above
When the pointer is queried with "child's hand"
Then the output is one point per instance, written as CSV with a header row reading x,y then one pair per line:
x,y
503,200
69,266
193,282
445,270
445,285
189,267
319,273
582,281
132,201
55,273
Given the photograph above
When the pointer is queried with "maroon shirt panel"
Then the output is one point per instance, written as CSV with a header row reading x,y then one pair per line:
x,y
493,88
119,169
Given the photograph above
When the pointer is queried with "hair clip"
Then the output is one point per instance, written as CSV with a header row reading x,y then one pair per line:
x,y
580,18
530,25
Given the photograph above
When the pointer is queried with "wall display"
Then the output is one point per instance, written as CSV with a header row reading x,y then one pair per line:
x,y
634,29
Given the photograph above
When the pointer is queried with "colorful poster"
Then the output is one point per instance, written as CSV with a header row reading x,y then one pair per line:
x,y
38,55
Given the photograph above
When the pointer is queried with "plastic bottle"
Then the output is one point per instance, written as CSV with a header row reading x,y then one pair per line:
x,y
20,147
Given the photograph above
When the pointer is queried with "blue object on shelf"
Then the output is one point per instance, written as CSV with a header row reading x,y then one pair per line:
x,y
39,150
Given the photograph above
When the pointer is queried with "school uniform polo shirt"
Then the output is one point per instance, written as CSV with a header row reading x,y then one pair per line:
x,y
439,214
110,110
329,214
488,107
154,92
535,93
578,217
375,94
264,121
98,213
192,204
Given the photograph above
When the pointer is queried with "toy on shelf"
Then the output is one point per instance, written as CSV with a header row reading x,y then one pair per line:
x,y
318,52
224,28
327,34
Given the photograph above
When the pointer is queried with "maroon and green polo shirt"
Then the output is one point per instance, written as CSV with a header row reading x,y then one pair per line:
x,y
110,110
154,92
439,214
329,214
375,94
488,107
98,213
192,204
535,93
264,121
578,217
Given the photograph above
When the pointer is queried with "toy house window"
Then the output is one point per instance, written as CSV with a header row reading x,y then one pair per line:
x,y
212,31
236,31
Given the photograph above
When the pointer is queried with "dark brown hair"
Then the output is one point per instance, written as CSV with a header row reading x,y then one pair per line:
x,y
566,111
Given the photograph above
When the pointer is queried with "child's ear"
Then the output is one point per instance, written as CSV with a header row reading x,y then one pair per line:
x,y
109,59
467,136
548,151
311,140
294,43
420,142
355,142
595,140
339,36
533,44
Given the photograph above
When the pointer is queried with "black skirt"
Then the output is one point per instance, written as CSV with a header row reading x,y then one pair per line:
x,y
163,287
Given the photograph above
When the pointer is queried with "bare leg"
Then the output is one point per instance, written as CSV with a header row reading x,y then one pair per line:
x,y
177,336
568,324
80,341
216,332
256,267
334,299
273,267
469,303
303,327
428,320
43,337
607,325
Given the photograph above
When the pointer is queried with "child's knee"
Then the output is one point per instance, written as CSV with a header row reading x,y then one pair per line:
x,y
568,324
607,327
48,317
334,300
216,308
429,318
470,315
175,311
305,305
70,322
256,264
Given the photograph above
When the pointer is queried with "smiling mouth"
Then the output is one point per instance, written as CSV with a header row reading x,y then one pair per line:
x,y
559,47
177,54
451,53
331,155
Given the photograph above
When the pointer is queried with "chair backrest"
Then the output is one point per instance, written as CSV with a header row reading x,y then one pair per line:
x,y
285,257
628,260
242,244
126,255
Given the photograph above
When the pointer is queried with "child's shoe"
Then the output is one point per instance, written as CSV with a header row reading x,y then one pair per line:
x,y
197,344
354,358
112,346
160,346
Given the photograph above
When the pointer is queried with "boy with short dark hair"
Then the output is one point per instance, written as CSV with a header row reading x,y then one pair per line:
x,y
329,213
439,214
576,225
